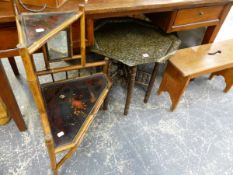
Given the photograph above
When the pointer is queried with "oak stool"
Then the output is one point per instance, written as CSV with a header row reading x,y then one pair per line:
x,y
194,62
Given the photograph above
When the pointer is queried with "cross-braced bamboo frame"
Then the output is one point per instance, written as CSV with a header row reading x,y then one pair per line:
x,y
33,81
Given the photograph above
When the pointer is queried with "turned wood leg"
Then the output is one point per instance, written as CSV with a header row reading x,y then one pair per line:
x,y
107,71
174,83
151,83
13,65
228,76
131,82
9,99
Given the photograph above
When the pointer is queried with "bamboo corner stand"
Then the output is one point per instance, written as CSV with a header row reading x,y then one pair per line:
x,y
54,108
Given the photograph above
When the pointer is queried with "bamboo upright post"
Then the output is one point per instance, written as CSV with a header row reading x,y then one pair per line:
x,y
83,37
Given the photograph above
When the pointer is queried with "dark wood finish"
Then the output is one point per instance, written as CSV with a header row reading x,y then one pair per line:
x,y
191,63
131,83
9,100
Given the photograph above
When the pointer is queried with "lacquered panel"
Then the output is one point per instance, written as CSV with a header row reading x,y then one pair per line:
x,y
37,25
68,105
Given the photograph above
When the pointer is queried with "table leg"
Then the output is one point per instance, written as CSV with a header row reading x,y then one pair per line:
x,y
13,65
212,31
131,82
9,99
151,83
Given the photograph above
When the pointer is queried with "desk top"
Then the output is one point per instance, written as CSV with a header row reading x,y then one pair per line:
x,y
98,7
201,59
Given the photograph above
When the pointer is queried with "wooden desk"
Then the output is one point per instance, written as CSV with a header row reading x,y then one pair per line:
x,y
175,15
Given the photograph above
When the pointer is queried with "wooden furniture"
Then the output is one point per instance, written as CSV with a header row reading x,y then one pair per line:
x,y
7,95
193,62
171,15
133,42
67,107
9,40
4,117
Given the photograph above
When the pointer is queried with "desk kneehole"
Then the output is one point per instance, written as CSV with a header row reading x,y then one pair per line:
x,y
214,59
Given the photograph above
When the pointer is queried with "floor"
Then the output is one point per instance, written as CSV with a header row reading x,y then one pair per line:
x,y
196,139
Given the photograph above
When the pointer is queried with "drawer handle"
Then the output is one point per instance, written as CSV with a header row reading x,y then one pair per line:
x,y
201,13
214,53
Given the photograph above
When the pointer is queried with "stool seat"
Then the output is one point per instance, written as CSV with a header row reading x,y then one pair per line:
x,y
69,103
203,59
133,42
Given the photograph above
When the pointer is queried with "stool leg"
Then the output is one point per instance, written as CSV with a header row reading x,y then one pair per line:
x,y
151,83
174,83
228,76
13,65
131,83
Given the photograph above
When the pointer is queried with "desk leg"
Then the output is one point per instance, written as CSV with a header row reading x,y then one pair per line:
x,y
131,82
13,65
212,31
9,100
90,31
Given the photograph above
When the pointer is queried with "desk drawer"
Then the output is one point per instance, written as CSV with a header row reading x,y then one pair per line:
x,y
196,15
8,38
186,19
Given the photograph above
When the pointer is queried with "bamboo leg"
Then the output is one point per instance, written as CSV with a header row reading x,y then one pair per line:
x,y
131,82
151,83
228,76
46,59
83,37
52,154
174,83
